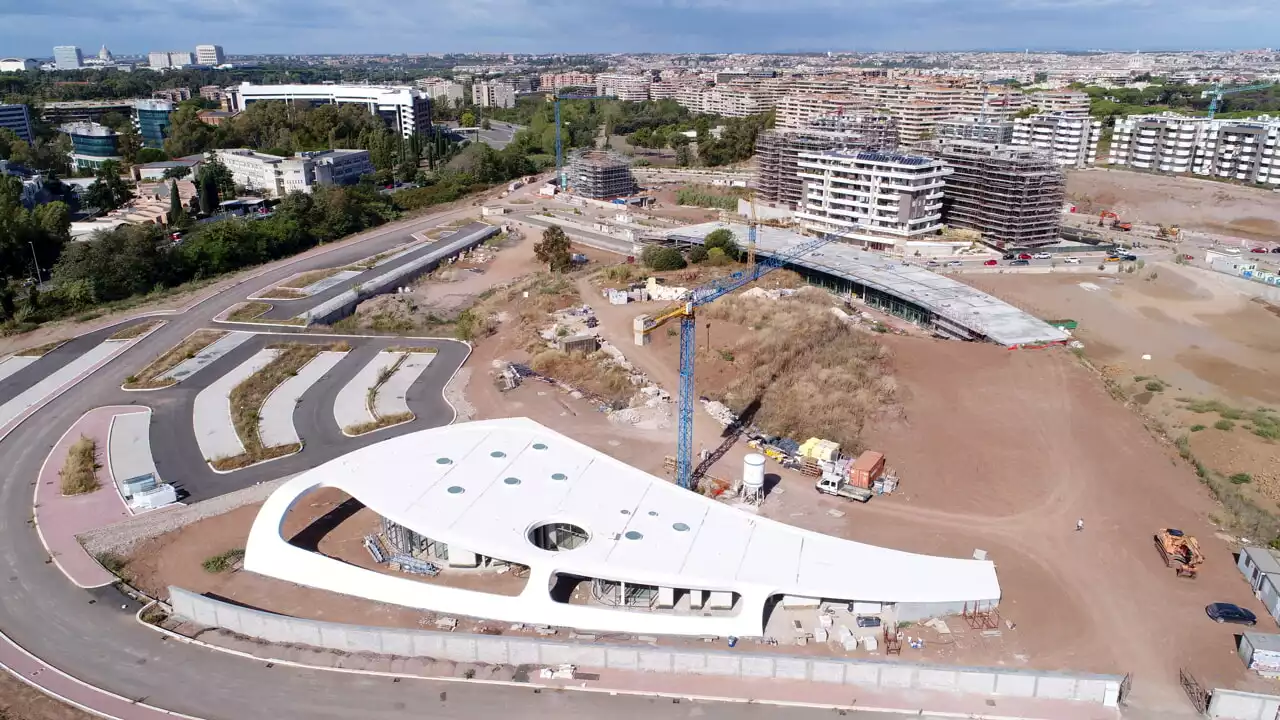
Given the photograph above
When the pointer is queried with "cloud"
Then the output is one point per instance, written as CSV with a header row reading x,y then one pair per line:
x,y
328,26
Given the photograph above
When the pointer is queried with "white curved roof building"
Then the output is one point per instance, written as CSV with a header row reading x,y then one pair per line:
x,y
515,491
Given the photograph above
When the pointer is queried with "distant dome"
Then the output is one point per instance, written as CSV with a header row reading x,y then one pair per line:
x,y
105,54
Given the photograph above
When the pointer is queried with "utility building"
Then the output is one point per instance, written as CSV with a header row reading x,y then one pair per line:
x,y
600,175
1012,195
778,150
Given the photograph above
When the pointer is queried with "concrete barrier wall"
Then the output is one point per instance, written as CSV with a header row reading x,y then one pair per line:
x,y
1236,705
498,650
345,304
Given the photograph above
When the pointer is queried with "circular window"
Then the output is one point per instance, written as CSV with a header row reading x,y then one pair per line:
x,y
511,480
680,527
497,454
559,476
558,537
443,461
456,490
633,535
653,513
539,446
626,512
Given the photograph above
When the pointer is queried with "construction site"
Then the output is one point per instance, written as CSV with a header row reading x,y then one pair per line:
x,y
778,150
1012,195
600,175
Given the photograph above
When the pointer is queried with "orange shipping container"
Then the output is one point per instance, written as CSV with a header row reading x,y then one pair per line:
x,y
868,467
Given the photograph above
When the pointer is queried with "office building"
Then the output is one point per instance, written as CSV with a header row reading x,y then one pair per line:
x,y
405,110
879,200
976,128
17,118
70,111
67,57
1011,195
18,65
170,59
151,119
92,144
491,93
600,175
623,87
778,150
210,55
278,176
1072,140
444,91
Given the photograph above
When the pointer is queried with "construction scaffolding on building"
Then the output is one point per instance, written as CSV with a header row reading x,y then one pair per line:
x,y
600,175
1012,195
778,150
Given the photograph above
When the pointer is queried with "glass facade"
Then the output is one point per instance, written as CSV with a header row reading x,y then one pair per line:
x,y
96,146
152,121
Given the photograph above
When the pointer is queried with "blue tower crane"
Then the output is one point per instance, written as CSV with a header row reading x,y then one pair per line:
x,y
561,182
1218,91
702,295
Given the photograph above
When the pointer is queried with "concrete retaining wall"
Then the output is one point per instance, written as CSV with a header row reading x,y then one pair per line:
x,y
345,304
1236,705
1098,689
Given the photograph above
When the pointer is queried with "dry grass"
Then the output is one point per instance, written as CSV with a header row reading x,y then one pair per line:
x,y
138,330
593,373
382,422
811,375
40,350
79,474
302,280
149,377
247,399
282,293
371,402
425,349
248,312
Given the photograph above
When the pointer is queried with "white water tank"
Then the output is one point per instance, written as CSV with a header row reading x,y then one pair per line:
x,y
753,473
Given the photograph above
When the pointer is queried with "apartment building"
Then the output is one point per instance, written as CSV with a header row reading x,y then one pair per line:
x,y
879,200
442,90
974,127
175,95
68,57
623,87
557,81
212,93
1241,150
491,93
405,110
664,89
279,176
1063,102
1070,139
778,150
210,55
1012,195
1244,149
799,109
736,101
17,118
1164,143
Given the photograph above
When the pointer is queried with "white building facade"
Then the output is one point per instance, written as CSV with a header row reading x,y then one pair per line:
x,y
68,57
623,87
491,93
1071,139
405,110
1163,143
442,90
18,64
277,176
1231,149
17,118
210,55
880,200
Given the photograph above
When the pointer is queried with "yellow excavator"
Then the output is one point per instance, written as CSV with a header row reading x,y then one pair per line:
x,y
1180,552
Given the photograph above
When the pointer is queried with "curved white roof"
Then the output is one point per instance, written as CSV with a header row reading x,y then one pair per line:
x,y
483,485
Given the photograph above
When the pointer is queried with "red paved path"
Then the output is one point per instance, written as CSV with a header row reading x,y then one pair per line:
x,y
60,518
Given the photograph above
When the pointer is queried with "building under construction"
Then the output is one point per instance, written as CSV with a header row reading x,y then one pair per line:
x,y
600,175
778,151
1012,195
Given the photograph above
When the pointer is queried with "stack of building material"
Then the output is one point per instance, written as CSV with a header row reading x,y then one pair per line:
x,y
820,450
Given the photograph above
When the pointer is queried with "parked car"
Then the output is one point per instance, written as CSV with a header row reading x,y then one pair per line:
x,y
1113,258
867,621
1009,256
1131,258
1020,262
1230,613
1259,249
1189,258
1276,249
991,262
1071,260
955,263
1042,256
1024,256
933,263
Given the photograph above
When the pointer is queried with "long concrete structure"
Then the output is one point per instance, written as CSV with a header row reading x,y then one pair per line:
x,y
947,306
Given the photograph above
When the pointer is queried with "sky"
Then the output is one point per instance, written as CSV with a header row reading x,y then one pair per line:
x,y
30,28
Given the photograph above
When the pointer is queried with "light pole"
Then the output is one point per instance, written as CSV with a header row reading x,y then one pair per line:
x,y
39,275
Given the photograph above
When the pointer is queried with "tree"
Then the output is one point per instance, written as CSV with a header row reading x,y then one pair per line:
x,y
208,193
150,155
129,143
485,124
222,178
468,119
553,249
108,192
657,257
722,239
176,173
697,254
177,215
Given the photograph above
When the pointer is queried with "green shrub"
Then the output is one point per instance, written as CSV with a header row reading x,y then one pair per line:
x,y
1155,386
1197,428
224,561
1241,479
1224,425
697,254
657,257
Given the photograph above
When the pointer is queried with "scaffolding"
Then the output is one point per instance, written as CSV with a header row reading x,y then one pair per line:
x,y
1012,195
600,175
778,151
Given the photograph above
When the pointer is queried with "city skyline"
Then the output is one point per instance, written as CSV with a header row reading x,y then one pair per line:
x,y
360,27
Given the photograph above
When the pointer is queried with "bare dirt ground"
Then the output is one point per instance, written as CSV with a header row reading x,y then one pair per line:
x,y
20,701
1192,203
667,207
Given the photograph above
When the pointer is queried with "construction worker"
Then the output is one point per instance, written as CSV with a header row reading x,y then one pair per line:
x,y
1080,525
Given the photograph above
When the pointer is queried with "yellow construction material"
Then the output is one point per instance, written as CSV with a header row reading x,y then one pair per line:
x,y
819,449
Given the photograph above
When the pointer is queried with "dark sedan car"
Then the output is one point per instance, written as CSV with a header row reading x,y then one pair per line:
x,y
1228,613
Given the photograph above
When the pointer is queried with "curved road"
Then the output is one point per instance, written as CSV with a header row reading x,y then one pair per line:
x,y
92,635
